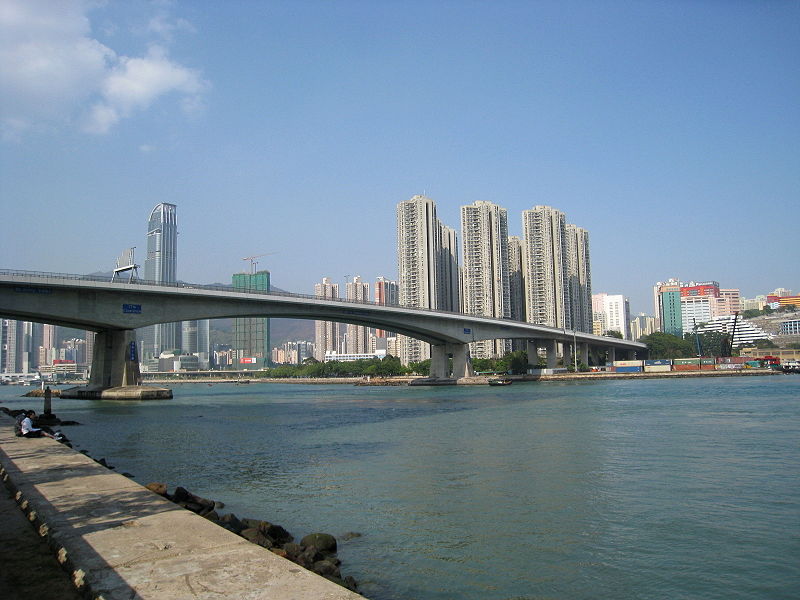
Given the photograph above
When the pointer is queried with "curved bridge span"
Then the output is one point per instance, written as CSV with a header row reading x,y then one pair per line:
x,y
114,309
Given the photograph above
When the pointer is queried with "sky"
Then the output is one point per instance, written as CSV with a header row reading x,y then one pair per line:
x,y
670,130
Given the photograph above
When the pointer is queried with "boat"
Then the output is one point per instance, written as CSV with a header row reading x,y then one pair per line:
x,y
500,381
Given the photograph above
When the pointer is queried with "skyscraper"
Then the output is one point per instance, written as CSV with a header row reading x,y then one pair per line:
x,y
486,283
161,266
251,334
195,340
357,335
667,305
427,266
579,276
326,333
547,299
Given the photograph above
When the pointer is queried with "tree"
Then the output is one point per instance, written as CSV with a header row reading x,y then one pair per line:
x,y
614,333
666,345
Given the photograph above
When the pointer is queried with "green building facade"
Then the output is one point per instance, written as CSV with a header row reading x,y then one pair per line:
x,y
251,334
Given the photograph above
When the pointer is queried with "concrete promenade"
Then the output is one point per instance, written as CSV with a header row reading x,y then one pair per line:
x,y
116,539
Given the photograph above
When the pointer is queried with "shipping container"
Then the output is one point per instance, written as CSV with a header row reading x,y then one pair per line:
x,y
686,367
657,362
625,369
708,361
731,360
729,367
686,361
753,364
627,363
657,368
711,367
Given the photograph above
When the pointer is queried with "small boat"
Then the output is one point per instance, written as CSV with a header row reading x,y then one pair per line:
x,y
500,381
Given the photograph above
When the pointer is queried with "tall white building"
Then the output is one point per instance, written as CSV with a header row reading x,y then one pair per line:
x,y
427,266
357,335
326,333
547,299
161,266
579,275
614,311
486,282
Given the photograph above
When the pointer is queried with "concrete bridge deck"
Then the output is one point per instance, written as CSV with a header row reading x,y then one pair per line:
x,y
117,539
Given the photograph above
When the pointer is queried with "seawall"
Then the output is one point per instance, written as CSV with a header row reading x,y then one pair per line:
x,y
118,539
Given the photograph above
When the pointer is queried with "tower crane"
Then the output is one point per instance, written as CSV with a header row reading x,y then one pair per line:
x,y
254,262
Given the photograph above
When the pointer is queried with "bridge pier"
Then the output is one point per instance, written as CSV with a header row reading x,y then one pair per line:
x,y
440,363
115,370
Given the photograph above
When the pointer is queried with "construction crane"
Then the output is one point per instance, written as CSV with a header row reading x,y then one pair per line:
x,y
254,262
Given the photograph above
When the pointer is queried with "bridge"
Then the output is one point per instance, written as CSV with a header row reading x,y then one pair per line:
x,y
114,309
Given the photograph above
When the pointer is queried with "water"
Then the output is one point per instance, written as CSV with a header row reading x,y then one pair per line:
x,y
633,489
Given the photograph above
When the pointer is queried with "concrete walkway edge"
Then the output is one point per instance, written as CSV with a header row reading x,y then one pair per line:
x,y
118,539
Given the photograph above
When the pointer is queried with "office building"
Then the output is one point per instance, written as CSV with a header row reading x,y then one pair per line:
x,y
486,282
357,341
667,306
195,340
326,333
251,334
161,266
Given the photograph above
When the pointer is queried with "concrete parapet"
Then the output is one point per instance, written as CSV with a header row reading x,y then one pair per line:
x,y
119,540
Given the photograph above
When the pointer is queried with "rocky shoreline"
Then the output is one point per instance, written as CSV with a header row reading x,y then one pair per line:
x,y
315,552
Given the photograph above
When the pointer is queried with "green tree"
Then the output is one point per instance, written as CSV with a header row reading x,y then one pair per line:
x,y
666,345
613,333
422,368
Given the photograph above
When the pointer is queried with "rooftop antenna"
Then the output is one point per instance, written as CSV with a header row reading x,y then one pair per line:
x,y
254,262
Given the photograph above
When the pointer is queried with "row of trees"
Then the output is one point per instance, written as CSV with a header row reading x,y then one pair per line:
x,y
710,343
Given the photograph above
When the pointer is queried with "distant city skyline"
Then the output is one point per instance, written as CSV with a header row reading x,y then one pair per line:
x,y
667,130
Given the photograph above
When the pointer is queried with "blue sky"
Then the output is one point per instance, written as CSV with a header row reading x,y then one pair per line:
x,y
670,130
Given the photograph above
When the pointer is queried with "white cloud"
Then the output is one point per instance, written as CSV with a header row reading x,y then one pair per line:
x,y
52,72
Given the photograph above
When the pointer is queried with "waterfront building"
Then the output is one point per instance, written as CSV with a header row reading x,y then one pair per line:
x,y
579,275
161,266
667,305
427,266
547,299
11,359
326,333
251,334
357,335
486,282
386,294
614,312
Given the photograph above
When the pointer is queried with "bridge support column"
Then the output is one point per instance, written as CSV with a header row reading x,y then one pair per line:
x,y
567,356
439,366
532,347
552,355
612,354
462,361
115,370
116,360
583,353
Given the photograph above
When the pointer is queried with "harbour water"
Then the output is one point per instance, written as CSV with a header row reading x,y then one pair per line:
x,y
679,488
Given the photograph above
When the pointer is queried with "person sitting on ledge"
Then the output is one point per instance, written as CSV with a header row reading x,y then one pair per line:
x,y
29,431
